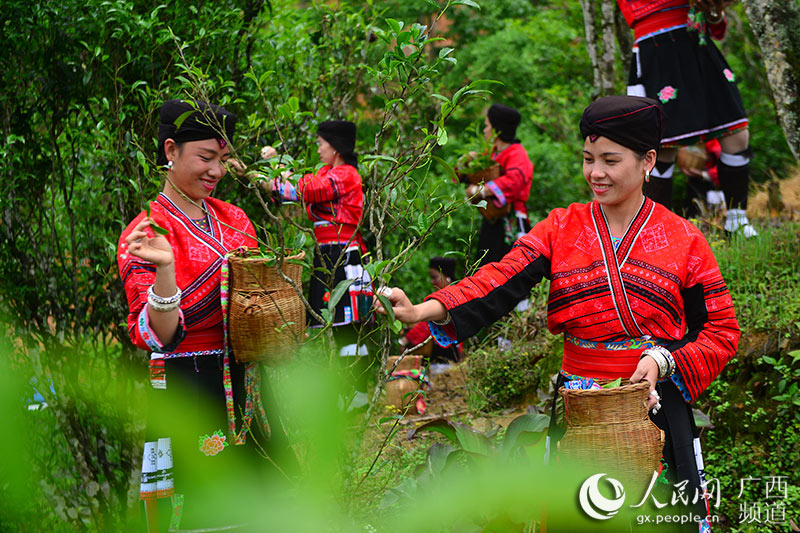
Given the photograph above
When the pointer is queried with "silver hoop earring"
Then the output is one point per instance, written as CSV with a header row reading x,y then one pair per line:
x,y
169,164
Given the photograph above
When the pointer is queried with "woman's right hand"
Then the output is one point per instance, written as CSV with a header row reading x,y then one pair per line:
x,y
408,313
156,249
404,310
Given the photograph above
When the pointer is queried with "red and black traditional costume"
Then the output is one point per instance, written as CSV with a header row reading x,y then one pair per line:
x,y
512,187
197,388
334,201
676,62
658,284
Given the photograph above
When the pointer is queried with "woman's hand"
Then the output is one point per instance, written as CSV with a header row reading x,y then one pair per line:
x,y
156,249
268,151
647,369
404,310
408,313
238,167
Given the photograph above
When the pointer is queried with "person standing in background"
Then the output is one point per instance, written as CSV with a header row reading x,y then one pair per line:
x,y
676,62
513,186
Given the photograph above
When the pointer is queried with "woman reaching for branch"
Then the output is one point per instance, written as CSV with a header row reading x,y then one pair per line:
x,y
334,200
634,288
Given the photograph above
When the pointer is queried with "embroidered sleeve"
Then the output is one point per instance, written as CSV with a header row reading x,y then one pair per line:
x,y
444,336
494,290
712,335
499,195
327,184
154,344
137,276
287,191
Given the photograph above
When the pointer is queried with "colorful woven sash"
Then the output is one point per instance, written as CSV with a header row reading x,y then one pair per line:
x,y
605,360
253,407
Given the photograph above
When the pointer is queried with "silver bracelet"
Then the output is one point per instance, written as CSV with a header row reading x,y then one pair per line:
x,y
161,304
444,322
663,358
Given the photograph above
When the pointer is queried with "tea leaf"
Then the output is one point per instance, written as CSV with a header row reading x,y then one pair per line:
x,y
158,229
338,292
183,116
532,425
612,384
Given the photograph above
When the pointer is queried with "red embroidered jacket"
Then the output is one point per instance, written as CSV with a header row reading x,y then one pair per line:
x,y
515,184
646,17
198,258
333,196
662,281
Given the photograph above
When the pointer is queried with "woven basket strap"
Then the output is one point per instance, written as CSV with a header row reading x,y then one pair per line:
x,y
253,402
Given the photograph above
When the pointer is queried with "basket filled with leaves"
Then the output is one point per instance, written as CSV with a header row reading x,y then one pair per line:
x,y
266,314
609,430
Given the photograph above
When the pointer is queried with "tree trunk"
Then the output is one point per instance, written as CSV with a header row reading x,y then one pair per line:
x,y
776,25
607,58
591,39
624,39
602,45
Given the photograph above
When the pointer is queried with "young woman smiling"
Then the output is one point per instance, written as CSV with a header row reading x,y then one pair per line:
x,y
202,419
634,288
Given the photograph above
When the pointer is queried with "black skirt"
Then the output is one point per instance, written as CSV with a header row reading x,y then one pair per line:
x,y
496,238
329,271
693,82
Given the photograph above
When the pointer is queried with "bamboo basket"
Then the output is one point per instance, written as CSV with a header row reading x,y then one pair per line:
x,y
491,212
266,316
481,176
397,390
693,157
608,430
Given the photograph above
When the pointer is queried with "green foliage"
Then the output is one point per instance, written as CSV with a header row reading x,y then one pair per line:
x,y
79,117
500,377
762,274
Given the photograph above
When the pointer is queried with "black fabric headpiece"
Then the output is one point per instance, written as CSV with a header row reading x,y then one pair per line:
x,y
632,121
445,265
341,134
205,122
504,121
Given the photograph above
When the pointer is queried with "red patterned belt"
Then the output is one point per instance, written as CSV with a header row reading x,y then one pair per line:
x,y
606,360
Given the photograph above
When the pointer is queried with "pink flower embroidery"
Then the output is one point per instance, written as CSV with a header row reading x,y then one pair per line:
x,y
729,75
213,444
667,93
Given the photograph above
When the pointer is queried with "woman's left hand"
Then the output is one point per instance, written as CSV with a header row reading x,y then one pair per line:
x,y
647,369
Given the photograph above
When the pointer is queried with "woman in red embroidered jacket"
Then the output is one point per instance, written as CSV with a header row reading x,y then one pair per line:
x,y
172,283
634,288
675,61
334,201
512,187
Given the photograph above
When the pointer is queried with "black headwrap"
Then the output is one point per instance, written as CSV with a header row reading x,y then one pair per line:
x,y
632,121
205,122
341,134
445,265
504,121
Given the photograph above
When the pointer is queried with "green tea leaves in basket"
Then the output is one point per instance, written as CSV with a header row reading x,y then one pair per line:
x,y
611,384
